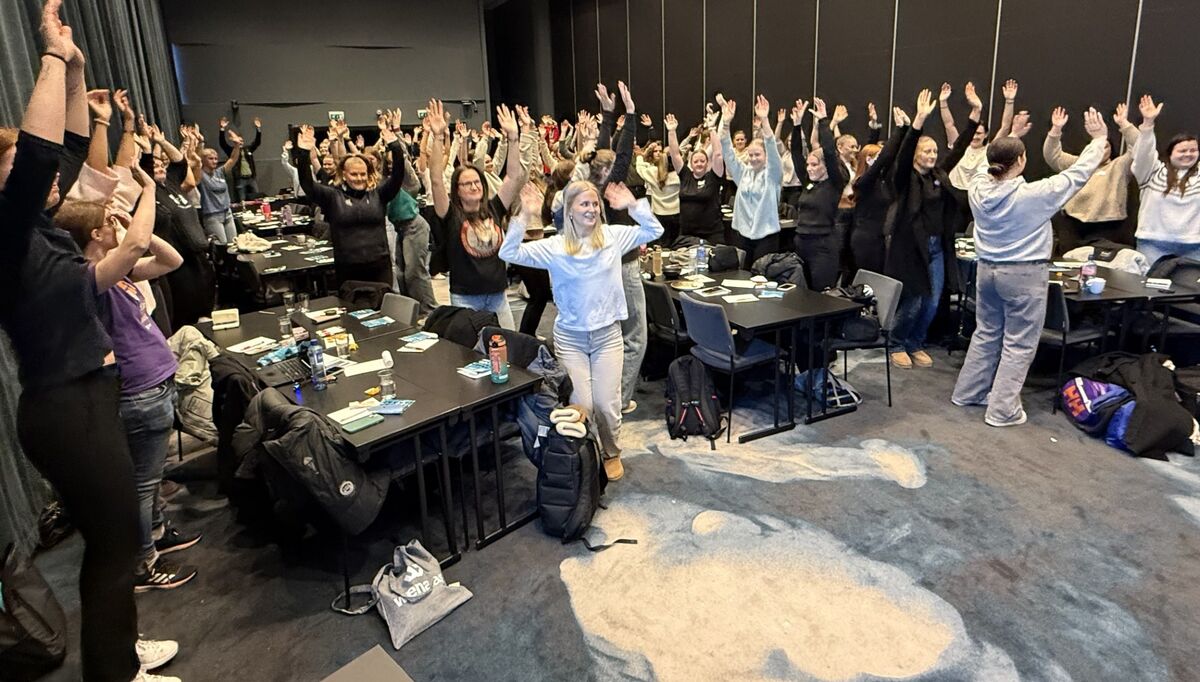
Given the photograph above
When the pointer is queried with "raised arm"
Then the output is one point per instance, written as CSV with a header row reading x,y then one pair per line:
x,y
947,114
391,185
873,125
235,155
799,154
1006,118
163,258
127,150
514,249
120,261
1052,150
728,111
514,173
762,109
902,173
833,165
672,126
625,139
974,120
437,158
1054,191
1145,150
608,117
716,158
253,146
887,155
321,194
101,109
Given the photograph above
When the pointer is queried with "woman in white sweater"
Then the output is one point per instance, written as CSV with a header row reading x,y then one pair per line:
x,y
1169,216
1013,239
584,261
758,179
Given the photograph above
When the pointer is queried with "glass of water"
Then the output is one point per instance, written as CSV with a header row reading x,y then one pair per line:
x,y
302,302
387,385
289,302
342,345
285,330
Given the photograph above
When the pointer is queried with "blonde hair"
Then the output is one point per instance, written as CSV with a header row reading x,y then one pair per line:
x,y
572,240
79,218
372,170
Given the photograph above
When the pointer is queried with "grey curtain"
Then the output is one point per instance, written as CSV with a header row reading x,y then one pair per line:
x,y
125,44
23,493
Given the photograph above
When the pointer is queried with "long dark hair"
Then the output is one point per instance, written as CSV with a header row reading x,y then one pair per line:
x,y
1173,176
456,202
1002,154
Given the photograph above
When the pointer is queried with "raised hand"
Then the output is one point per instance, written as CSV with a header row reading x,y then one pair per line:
x,y
728,111
1150,110
925,103
798,111
234,138
840,113
257,122
121,99
818,109
1021,124
142,128
437,118
646,120
1009,89
626,98
619,197
780,115
307,139
386,134
223,122
621,121
531,201
872,115
944,94
460,128
524,117
972,97
1093,123
360,142
1121,115
1058,119
99,104
670,123
156,135
762,108
507,121
607,101
143,180
899,117
56,36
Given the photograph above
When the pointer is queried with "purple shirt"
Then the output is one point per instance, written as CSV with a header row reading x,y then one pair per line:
x,y
142,353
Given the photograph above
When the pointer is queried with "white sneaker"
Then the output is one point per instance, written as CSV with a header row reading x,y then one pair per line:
x,y
1015,421
629,407
144,676
156,653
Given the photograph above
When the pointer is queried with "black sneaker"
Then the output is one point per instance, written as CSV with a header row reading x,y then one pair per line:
x,y
163,576
173,540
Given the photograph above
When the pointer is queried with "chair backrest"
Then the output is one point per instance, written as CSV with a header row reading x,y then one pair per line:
x,y
660,309
401,308
887,295
1057,316
708,325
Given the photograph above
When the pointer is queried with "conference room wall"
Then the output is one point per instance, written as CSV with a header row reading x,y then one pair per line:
x,y
289,61
1076,54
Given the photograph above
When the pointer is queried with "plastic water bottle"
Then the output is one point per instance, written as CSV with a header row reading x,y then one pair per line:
x,y
701,267
316,358
1088,270
498,355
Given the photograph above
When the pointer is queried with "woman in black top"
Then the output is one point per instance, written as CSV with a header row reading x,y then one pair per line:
x,y
822,179
699,186
355,206
471,222
873,197
927,214
68,422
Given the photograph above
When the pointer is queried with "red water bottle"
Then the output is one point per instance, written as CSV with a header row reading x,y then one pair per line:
x,y
498,355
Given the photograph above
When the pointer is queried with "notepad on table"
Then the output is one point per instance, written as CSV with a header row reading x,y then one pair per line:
x,y
738,284
740,298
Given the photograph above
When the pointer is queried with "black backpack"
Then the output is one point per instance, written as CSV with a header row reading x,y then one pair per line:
x,y
33,628
569,485
692,405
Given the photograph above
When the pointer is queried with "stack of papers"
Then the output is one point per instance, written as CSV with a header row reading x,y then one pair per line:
x,y
738,284
418,342
477,369
362,314
259,344
349,414
377,322
393,406
740,298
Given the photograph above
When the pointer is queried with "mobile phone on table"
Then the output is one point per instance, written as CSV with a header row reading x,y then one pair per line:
x,y
362,423
786,286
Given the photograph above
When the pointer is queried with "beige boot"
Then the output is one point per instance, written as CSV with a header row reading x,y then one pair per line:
x,y
614,468
900,359
921,359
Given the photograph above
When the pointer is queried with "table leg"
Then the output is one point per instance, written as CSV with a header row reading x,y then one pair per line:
x,y
505,527
476,479
447,495
776,427
499,465
421,495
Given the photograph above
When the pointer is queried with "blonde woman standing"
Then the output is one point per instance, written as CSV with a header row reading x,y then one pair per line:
x,y
584,261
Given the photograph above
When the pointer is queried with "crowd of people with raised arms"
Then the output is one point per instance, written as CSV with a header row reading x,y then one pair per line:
x,y
88,234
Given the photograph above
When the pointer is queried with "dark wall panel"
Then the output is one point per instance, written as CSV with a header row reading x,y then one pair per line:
x,y
729,35
854,57
787,31
614,43
1165,64
564,66
926,56
646,58
587,62
685,58
1089,65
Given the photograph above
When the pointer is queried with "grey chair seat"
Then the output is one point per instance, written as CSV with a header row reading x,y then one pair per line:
x,y
1052,337
757,353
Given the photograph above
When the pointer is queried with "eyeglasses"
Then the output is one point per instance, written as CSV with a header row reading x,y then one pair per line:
x,y
471,183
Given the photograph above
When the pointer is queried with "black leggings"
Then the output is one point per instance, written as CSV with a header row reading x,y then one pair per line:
x,y
820,255
670,225
73,434
756,248
537,283
379,271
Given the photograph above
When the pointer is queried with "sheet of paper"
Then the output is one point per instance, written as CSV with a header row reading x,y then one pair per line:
x,y
738,284
365,367
703,279
349,414
254,346
740,298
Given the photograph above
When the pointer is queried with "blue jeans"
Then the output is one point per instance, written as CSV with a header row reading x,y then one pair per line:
x,y
1153,250
633,329
496,303
149,417
916,311
412,261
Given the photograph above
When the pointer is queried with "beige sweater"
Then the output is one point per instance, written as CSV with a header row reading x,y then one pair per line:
x,y
1105,195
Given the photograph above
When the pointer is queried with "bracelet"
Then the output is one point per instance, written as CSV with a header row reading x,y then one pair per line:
x,y
56,56
100,121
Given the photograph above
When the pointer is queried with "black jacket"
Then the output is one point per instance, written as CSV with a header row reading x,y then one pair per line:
x,y
460,325
817,203
247,152
908,244
311,452
234,387
873,193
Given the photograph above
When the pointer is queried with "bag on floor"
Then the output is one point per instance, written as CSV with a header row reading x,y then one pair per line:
x,y
837,392
33,627
1118,425
410,593
692,405
569,485
1091,404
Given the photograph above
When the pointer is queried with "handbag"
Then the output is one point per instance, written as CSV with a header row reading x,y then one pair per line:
x,y
33,626
410,593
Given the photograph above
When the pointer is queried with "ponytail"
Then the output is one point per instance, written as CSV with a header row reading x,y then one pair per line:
x,y
1003,154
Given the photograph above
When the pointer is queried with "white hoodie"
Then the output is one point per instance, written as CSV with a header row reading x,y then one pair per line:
x,y
1012,217
1164,217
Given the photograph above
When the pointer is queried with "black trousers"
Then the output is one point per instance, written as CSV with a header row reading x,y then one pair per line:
x,y
868,248
379,271
537,283
820,255
73,434
670,225
756,248
845,230
1075,233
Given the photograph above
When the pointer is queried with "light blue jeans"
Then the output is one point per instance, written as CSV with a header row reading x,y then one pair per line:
x,y
149,417
593,361
1010,310
496,303
1153,250
220,226
916,311
633,329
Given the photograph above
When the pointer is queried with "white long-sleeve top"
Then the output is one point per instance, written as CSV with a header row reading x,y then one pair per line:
x,y
587,287
1012,217
756,208
1163,217
293,174
664,198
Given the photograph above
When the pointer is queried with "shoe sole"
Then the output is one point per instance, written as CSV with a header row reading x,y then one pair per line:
x,y
1016,422
922,364
139,589
155,665
181,546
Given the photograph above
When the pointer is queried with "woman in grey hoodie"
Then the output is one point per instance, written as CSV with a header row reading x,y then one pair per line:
x,y
1013,239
